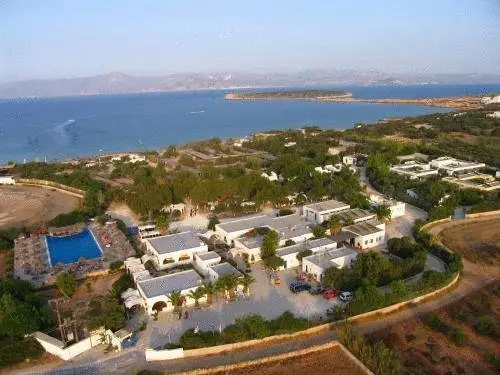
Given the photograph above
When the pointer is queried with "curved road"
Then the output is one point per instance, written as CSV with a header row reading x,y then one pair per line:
x,y
474,277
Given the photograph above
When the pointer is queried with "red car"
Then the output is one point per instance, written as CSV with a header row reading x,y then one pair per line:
x,y
330,293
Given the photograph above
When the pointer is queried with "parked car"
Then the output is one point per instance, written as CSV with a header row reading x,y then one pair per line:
x,y
275,279
315,290
330,293
345,296
299,286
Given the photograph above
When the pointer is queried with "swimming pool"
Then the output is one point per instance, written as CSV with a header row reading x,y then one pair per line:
x,y
70,249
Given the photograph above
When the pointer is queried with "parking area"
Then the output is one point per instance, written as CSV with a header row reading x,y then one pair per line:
x,y
266,299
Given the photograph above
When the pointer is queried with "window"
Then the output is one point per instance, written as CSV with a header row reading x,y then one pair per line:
x,y
366,242
371,241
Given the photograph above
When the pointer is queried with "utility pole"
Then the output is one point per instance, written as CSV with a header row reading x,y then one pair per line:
x,y
56,301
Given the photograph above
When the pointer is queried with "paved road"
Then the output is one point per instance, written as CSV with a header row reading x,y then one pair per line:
x,y
474,277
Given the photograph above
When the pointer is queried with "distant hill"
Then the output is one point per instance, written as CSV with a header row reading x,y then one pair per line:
x,y
119,83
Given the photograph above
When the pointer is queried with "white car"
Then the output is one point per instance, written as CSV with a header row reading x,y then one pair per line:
x,y
346,296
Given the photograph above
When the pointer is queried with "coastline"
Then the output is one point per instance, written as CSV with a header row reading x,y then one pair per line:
x,y
454,102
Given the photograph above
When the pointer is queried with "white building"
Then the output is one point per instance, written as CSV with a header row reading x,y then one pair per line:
x,y
272,176
356,215
317,264
453,166
129,158
174,249
321,211
230,230
415,156
490,99
350,160
221,270
495,114
7,180
414,170
289,253
148,231
155,291
397,208
203,261
368,234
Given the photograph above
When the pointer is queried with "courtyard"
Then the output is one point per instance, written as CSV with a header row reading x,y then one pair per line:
x,y
265,299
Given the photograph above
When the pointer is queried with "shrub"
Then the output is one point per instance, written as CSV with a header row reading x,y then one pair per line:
x,y
15,352
485,325
114,266
303,254
66,283
433,321
285,212
319,231
457,336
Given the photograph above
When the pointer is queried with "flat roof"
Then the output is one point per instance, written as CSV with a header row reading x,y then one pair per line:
x,y
251,242
287,250
326,206
326,260
286,233
342,237
208,255
355,214
225,269
175,242
319,242
245,223
164,285
362,229
287,221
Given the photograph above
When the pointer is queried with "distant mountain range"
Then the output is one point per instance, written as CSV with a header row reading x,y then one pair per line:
x,y
119,83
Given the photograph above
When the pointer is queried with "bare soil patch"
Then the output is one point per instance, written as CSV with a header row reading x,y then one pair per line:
x,y
28,205
477,242
4,258
428,351
330,361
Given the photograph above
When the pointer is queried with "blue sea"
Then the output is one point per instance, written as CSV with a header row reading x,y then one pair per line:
x,y
61,128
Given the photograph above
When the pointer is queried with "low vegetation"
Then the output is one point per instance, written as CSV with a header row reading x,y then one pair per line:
x,y
245,328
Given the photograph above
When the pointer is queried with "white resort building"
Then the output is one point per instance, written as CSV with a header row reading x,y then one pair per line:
x,y
453,166
397,208
289,253
321,211
367,234
174,249
414,170
317,264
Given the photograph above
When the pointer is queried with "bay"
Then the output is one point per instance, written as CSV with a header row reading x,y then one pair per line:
x,y
61,128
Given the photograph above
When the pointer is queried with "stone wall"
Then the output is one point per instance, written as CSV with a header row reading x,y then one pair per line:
x,y
52,185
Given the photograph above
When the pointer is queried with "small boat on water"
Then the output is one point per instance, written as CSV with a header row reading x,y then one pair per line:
x,y
196,112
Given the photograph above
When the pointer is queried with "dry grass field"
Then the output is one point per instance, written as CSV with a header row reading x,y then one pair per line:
x,y
477,242
330,361
26,205
426,350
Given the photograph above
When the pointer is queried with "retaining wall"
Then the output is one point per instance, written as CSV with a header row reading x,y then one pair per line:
x,y
52,185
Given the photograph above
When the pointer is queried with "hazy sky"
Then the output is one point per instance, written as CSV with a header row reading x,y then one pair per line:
x,y
55,38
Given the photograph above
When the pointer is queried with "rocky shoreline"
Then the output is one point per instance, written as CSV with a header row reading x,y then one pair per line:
x,y
458,102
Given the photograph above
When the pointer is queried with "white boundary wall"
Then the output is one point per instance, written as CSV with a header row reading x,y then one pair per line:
x,y
162,355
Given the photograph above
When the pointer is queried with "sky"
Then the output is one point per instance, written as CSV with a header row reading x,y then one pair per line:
x,y
74,38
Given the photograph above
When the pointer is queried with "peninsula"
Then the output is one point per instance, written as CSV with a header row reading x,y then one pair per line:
x,y
290,94
456,102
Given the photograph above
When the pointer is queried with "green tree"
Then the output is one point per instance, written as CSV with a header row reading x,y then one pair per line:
x,y
210,290
269,244
176,299
383,212
335,224
246,281
162,222
319,231
212,222
66,283
197,294
303,254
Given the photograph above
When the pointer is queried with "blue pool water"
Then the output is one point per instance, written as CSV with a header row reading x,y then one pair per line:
x,y
71,248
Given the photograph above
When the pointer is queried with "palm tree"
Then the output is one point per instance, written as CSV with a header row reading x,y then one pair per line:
x,y
383,212
335,225
197,294
246,282
220,285
176,299
231,282
209,289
